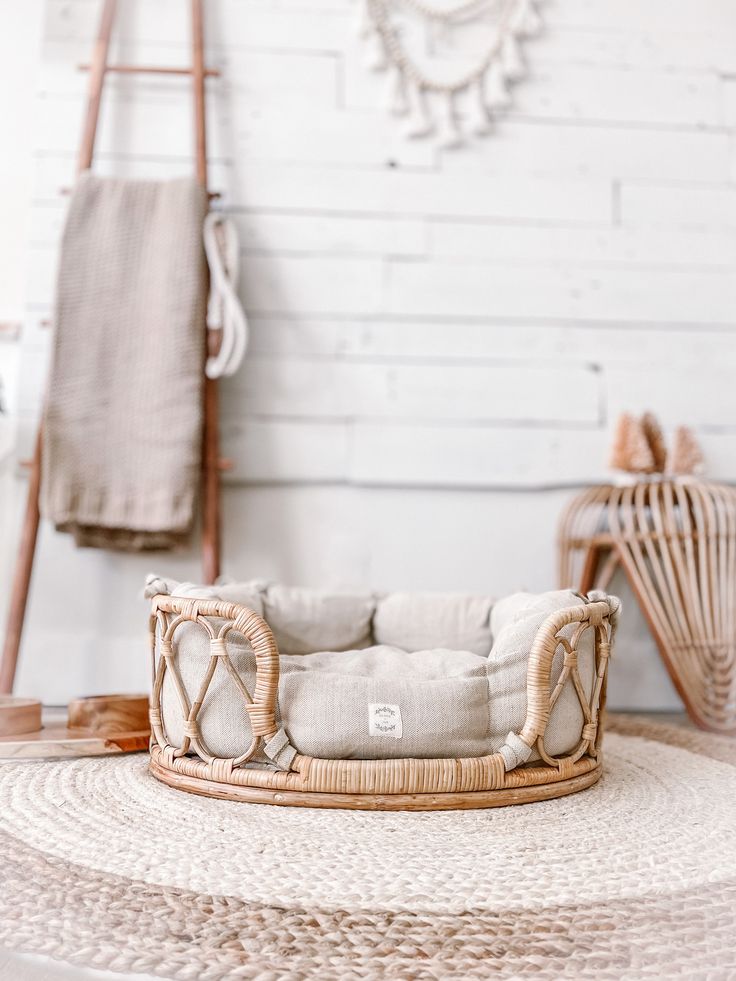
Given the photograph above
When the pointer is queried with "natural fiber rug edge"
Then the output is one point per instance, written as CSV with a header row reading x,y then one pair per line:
x,y
177,934
96,919
715,746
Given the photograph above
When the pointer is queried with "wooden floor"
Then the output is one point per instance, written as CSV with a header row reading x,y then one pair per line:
x,y
23,967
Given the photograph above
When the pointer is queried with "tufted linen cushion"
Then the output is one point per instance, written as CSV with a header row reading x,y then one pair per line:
x,y
334,702
250,594
307,620
414,621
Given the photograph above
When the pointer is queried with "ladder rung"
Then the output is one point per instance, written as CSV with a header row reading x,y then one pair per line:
x,y
225,464
150,70
212,195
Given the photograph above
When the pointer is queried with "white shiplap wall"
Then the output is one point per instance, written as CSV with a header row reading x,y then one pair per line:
x,y
441,339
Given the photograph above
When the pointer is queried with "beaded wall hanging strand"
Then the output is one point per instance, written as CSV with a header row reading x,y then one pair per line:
x,y
431,102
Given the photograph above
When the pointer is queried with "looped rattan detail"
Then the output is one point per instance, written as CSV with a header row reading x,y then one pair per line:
x,y
601,617
168,613
507,776
221,770
191,729
218,648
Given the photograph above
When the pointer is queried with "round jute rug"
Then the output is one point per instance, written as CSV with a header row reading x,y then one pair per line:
x,y
634,878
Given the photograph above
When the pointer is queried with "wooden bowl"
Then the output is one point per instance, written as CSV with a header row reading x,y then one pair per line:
x,y
107,714
19,715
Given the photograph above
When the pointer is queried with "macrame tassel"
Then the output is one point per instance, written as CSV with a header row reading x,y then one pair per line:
x,y
437,35
417,94
376,59
533,23
363,23
497,93
398,95
482,118
451,135
421,123
526,22
511,59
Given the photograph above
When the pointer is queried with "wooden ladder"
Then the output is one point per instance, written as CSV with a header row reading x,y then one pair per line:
x,y
98,69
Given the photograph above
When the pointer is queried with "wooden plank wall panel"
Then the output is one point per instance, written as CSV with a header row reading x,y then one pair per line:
x,y
440,340
490,392
412,306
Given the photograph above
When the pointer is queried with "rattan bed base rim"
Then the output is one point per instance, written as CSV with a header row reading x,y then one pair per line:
x,y
460,800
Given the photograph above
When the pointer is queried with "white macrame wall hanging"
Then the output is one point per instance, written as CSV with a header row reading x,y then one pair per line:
x,y
451,63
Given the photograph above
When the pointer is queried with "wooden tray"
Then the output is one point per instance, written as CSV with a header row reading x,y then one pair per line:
x,y
97,726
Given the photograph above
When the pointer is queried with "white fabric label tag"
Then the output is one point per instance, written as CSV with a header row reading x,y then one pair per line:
x,y
384,720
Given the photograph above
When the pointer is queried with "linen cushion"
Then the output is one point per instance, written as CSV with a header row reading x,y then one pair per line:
x,y
330,703
325,699
415,621
223,720
307,620
250,594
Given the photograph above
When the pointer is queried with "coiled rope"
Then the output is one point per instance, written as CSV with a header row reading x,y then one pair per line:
x,y
224,309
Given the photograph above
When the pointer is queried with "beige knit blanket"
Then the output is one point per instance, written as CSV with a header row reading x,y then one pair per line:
x,y
123,421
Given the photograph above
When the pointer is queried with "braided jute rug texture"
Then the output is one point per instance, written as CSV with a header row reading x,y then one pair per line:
x,y
102,866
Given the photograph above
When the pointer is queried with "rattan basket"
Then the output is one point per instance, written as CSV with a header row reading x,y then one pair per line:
x,y
384,784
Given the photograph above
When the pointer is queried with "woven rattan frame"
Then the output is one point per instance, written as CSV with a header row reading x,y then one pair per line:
x,y
414,784
675,540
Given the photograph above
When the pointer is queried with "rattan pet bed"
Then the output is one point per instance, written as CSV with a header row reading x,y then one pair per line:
x,y
266,765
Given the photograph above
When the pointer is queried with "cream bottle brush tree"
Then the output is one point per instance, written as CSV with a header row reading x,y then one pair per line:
x,y
639,448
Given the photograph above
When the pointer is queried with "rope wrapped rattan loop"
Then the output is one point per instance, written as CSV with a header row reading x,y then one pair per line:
x,y
218,647
566,767
494,772
191,729
220,770
262,710
590,731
